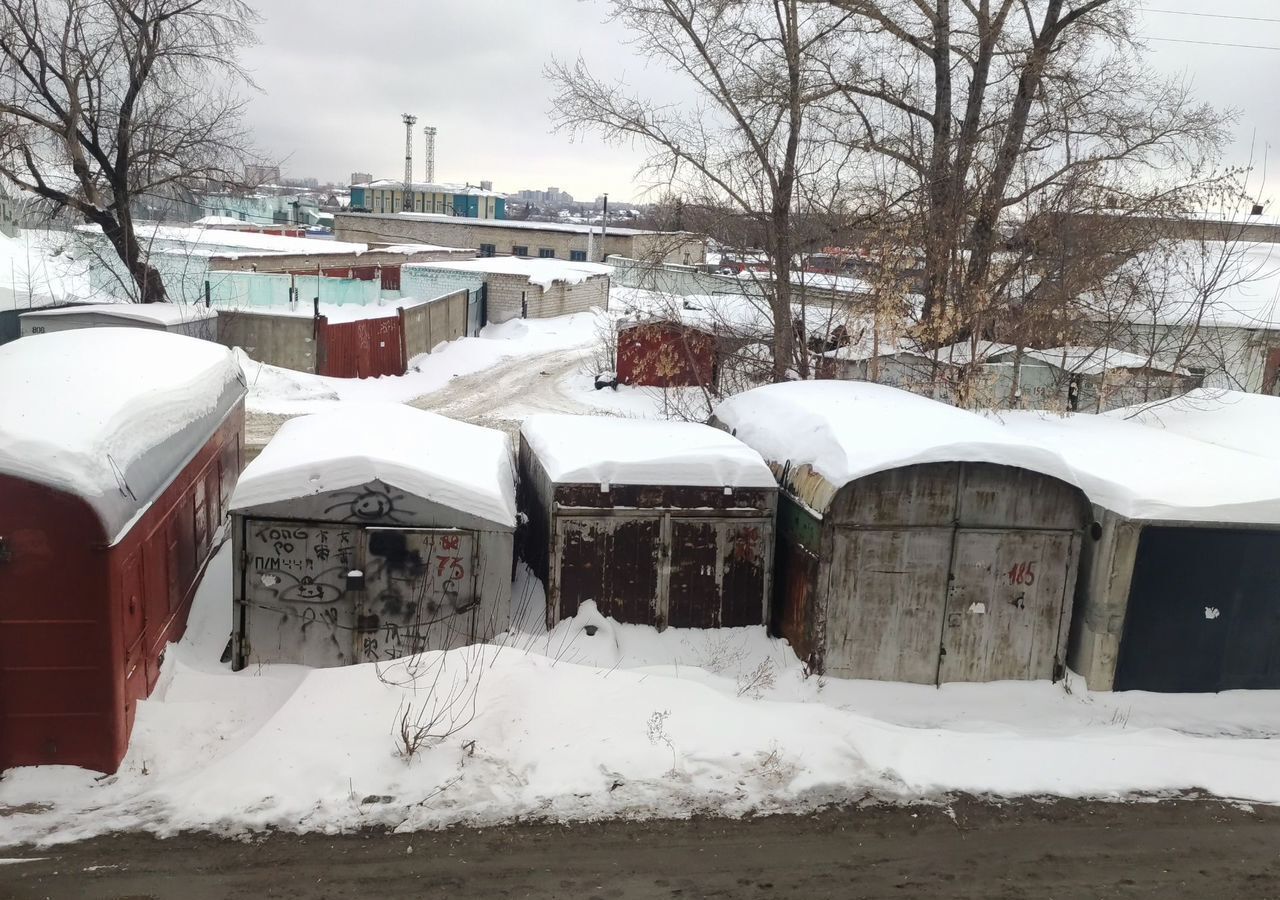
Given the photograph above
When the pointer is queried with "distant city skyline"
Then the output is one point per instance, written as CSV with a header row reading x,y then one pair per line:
x,y
484,91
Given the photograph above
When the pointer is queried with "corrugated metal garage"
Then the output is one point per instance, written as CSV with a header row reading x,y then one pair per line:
x,y
917,542
658,523
1178,585
371,533
114,481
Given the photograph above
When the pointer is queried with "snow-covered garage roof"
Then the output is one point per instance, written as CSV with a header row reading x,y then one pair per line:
x,y
155,313
542,272
1234,419
610,450
845,430
452,463
1147,474
111,414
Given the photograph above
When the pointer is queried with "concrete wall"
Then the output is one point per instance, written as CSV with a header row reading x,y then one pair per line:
x,y
286,341
509,294
427,283
429,324
461,232
1107,559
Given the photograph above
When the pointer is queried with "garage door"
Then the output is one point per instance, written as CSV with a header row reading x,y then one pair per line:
x,y
1005,605
664,570
420,593
296,609
1203,612
884,620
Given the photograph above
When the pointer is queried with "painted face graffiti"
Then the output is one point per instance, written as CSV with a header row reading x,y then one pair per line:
x,y
372,504
309,589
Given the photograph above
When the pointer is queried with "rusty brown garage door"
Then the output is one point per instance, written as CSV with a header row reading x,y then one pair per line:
x,y
662,570
612,560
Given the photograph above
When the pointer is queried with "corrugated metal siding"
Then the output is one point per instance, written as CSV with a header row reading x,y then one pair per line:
x,y
365,348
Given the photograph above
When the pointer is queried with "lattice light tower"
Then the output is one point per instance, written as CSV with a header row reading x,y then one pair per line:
x,y
409,121
430,150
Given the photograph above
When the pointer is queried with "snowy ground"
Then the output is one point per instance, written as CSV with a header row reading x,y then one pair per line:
x,y
511,371
623,722
38,268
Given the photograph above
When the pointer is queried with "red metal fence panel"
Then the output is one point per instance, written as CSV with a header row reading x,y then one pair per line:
x,y
365,348
391,278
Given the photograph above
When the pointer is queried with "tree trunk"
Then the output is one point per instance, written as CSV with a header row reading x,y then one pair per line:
x,y
119,231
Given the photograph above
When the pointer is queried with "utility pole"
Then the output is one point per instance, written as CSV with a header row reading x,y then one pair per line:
x,y
430,151
604,228
409,121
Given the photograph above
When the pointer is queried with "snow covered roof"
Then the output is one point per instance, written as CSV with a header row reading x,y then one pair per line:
x,y
542,272
517,224
610,450
845,430
1240,421
111,414
231,242
966,352
1090,360
1147,474
448,462
410,249
430,187
214,221
154,313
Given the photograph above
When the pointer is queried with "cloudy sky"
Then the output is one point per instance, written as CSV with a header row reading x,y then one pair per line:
x,y
336,75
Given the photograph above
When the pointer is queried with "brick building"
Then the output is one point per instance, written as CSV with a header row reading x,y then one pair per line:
x,y
516,288
490,237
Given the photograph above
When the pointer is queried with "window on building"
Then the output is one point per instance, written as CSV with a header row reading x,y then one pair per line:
x,y
546,253
488,250
577,255
518,250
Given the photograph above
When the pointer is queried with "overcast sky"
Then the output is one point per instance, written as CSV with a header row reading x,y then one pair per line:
x,y
336,75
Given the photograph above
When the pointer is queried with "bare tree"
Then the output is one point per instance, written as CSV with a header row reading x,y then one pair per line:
x,y
105,102
982,115
760,71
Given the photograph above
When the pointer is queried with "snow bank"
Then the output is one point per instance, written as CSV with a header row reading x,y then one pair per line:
x,y
540,272
624,721
448,462
845,430
1240,421
108,414
607,450
1144,473
155,313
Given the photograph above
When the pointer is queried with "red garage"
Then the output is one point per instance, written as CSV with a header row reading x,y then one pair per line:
x,y
666,354
119,449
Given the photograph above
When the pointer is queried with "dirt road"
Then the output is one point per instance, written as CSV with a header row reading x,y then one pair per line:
x,y
1183,849
497,397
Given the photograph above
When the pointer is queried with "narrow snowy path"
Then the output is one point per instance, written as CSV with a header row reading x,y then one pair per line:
x,y
499,396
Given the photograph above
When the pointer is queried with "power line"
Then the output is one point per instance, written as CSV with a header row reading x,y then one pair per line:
x,y
1179,12
1213,43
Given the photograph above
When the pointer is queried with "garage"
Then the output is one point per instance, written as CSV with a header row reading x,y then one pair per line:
x,y
917,542
1178,582
657,523
372,533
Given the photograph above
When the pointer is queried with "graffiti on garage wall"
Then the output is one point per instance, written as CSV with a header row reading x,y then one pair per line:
x,y
337,593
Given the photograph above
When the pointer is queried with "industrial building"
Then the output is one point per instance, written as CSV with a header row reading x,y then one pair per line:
x,y
505,237
515,288
387,196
